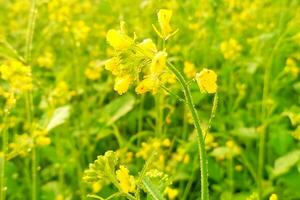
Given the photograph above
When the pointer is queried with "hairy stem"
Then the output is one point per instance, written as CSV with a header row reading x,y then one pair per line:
x,y
200,137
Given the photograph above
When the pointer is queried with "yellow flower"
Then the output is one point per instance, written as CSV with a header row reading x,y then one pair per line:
x,y
273,197
43,140
80,30
17,75
127,182
96,187
93,72
172,193
168,77
230,49
291,67
189,69
158,63
207,81
164,18
112,65
148,45
118,40
238,168
46,60
147,85
122,84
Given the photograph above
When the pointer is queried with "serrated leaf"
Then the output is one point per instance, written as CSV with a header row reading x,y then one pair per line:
x,y
59,117
152,190
286,162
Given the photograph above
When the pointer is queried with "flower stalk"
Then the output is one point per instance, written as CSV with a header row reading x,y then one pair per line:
x,y
29,100
200,136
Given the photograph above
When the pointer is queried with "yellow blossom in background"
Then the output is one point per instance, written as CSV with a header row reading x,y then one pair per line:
x,y
189,69
207,81
80,31
17,75
122,84
93,71
46,60
43,141
126,181
273,197
238,168
233,147
171,193
291,67
296,133
59,10
230,49
118,40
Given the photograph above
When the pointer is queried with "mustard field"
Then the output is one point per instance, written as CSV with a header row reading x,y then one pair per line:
x,y
150,99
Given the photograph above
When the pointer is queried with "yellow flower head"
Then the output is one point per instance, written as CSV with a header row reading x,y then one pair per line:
x,y
126,181
97,186
291,67
189,69
230,49
118,40
122,84
147,85
148,45
43,140
164,18
46,60
158,63
93,71
207,81
17,75
172,193
273,197
112,65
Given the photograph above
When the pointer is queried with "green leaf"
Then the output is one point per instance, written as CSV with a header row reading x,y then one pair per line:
x,y
152,190
59,117
118,108
286,162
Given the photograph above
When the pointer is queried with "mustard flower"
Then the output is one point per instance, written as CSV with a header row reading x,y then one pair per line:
x,y
118,40
230,49
189,69
158,63
122,84
147,85
273,197
126,181
207,81
172,193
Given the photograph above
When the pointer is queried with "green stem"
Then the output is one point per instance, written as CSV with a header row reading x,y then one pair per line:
x,y
230,174
159,115
200,138
3,160
264,115
29,101
141,110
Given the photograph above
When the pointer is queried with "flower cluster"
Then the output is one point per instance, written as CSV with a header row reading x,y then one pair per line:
x,y
138,63
230,49
17,75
